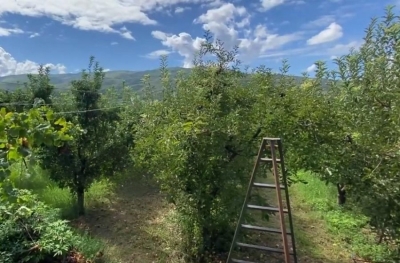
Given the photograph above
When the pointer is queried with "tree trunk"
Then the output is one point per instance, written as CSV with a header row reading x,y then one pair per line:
x,y
205,246
341,194
81,201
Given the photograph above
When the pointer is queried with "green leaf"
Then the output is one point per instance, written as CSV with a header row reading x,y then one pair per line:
x,y
32,161
61,122
43,127
3,174
3,112
48,139
50,115
14,131
13,154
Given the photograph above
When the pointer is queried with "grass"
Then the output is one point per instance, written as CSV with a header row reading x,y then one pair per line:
x,y
326,230
135,225
314,244
51,194
129,221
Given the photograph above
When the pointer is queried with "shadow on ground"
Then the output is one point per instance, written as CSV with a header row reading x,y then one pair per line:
x,y
126,221
122,223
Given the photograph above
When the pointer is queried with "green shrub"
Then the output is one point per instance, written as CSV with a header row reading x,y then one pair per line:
x,y
30,231
38,181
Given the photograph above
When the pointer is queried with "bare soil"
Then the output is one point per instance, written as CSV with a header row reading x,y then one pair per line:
x,y
130,225
124,223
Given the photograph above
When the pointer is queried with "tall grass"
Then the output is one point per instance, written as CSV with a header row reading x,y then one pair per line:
x,y
39,182
349,228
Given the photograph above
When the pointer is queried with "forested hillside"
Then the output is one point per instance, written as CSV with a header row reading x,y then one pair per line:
x,y
161,176
116,79
112,79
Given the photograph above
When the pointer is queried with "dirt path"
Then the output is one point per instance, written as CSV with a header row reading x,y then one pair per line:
x,y
125,223
130,226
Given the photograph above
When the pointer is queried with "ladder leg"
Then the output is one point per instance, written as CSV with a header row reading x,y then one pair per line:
x,y
273,143
287,200
238,226
280,204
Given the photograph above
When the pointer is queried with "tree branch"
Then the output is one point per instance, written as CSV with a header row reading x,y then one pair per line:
x,y
234,153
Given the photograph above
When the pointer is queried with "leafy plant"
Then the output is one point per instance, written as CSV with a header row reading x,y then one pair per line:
x,y
30,231
21,131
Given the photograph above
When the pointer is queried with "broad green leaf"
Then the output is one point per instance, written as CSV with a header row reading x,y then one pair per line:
x,y
14,131
3,112
61,122
13,155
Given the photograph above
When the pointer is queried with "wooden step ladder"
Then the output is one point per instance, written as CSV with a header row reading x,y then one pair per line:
x,y
275,147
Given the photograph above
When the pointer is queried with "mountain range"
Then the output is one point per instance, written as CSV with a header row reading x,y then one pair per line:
x,y
115,79
112,78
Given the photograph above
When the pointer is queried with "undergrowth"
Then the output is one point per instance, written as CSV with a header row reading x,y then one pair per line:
x,y
31,231
39,182
349,228
61,201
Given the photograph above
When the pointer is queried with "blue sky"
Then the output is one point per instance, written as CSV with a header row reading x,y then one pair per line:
x,y
131,34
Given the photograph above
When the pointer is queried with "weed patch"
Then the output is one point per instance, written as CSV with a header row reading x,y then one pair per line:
x,y
348,228
39,182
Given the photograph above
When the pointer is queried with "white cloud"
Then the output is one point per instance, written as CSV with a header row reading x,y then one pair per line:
x,y
158,53
98,15
223,14
263,41
222,23
114,43
320,22
213,3
85,15
180,9
333,32
298,2
125,33
34,35
182,43
269,4
311,68
10,66
5,32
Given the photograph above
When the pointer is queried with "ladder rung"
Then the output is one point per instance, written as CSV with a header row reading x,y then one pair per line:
x,y
270,152
269,160
273,186
269,249
271,139
265,229
241,261
266,208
